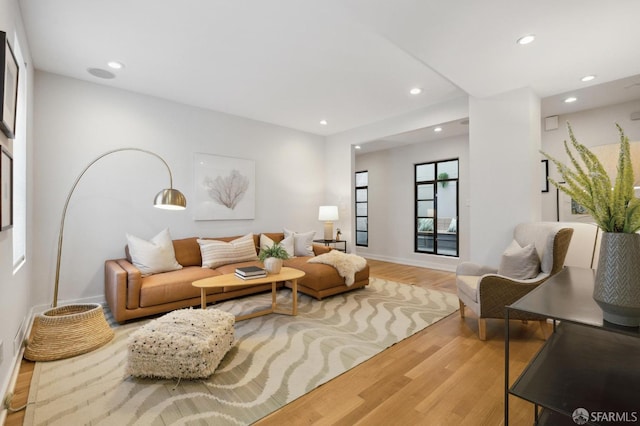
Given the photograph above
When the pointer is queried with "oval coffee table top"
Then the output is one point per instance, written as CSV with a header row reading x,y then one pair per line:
x,y
228,280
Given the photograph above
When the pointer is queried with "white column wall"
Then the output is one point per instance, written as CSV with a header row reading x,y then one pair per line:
x,y
504,140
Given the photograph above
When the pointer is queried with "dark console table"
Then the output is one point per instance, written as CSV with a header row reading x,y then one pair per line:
x,y
334,244
586,364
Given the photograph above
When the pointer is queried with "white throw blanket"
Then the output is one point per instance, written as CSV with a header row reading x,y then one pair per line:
x,y
346,264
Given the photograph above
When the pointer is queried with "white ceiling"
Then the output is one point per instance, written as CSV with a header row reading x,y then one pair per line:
x,y
351,62
613,92
428,134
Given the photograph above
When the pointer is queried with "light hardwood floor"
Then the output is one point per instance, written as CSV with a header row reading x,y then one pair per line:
x,y
442,375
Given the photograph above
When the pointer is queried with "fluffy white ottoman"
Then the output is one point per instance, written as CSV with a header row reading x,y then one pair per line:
x,y
186,344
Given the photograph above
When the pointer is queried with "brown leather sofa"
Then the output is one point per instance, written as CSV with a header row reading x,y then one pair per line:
x,y
130,295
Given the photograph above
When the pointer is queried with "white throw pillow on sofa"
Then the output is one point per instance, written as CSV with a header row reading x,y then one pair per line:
x,y
302,242
286,243
153,256
216,253
520,263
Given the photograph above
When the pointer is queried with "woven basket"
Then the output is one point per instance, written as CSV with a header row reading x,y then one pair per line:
x,y
67,331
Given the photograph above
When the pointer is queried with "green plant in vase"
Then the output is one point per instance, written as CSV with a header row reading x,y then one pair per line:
x,y
616,210
443,177
273,257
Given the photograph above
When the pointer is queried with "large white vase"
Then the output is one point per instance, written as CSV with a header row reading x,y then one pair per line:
x,y
273,265
617,285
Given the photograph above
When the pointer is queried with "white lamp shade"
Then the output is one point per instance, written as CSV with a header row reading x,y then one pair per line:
x,y
328,213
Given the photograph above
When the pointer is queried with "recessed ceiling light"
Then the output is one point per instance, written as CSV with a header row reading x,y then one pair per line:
x,y
588,78
100,73
570,99
357,147
324,122
115,65
437,129
415,91
526,39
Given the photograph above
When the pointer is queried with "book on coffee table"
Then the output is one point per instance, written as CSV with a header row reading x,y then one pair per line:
x,y
251,277
250,271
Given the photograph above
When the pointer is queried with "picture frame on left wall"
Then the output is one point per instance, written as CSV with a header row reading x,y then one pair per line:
x,y
8,87
6,190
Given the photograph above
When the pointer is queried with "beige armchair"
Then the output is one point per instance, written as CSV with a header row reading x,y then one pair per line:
x,y
487,293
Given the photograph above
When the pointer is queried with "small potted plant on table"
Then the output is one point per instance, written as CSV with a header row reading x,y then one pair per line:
x,y
273,257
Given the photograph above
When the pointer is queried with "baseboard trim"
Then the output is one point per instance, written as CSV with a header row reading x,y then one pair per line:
x,y
10,386
449,265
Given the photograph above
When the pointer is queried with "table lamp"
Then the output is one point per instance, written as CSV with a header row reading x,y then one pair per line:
x,y
328,214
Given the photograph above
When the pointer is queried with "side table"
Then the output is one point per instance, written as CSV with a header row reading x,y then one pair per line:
x,y
334,244
587,371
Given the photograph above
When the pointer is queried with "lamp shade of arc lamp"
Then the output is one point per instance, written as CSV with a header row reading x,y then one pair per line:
x,y
66,331
328,214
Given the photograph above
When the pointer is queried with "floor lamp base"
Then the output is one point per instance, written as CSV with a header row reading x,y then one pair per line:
x,y
67,331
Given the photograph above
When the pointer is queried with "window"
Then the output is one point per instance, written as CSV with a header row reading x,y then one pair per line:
x,y
362,214
20,165
436,193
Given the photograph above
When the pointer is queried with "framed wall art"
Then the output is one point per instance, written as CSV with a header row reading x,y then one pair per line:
x,y
6,190
8,87
571,211
224,188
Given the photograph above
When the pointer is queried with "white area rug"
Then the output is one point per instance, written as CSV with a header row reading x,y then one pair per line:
x,y
276,359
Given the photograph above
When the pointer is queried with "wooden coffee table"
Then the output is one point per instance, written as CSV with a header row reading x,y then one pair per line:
x,y
230,280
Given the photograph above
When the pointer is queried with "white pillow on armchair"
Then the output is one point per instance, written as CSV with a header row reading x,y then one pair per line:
x,y
520,263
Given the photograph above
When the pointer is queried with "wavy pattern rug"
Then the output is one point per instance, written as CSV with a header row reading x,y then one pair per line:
x,y
276,359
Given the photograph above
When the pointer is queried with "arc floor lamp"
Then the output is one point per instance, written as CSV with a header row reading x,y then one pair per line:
x,y
70,330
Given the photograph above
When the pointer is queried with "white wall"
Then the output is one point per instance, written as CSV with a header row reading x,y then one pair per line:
x,y
76,121
340,158
591,128
392,200
504,140
15,289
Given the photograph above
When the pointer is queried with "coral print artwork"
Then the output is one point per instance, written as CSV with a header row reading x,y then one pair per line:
x,y
225,188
